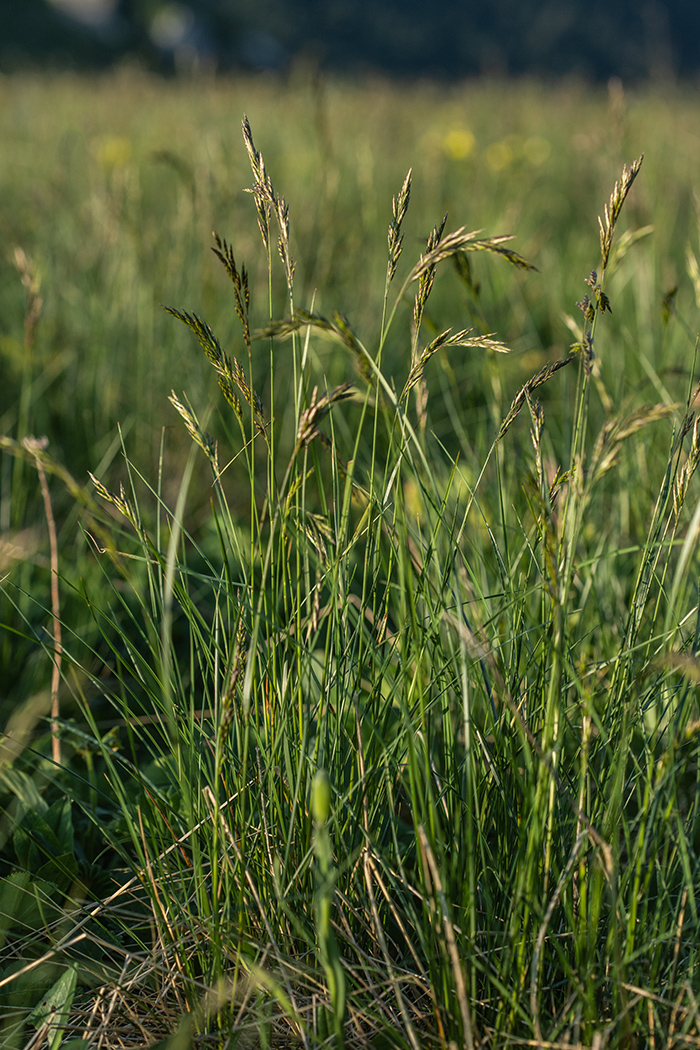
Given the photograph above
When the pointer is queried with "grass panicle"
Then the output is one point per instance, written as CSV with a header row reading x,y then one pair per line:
x,y
614,207
399,208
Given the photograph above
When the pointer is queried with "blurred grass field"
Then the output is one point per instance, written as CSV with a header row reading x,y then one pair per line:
x,y
112,188
109,191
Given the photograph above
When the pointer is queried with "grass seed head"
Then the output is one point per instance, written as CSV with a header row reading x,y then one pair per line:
x,y
229,370
463,241
232,690
267,202
262,188
318,408
122,504
686,472
427,278
614,207
199,436
224,252
445,339
337,326
395,237
525,391
18,546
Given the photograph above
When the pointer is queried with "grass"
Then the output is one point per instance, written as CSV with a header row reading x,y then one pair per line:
x,y
378,715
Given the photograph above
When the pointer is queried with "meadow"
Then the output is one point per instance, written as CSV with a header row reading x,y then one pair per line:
x,y
349,610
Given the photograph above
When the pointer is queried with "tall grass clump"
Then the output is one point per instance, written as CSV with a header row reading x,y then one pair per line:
x,y
406,745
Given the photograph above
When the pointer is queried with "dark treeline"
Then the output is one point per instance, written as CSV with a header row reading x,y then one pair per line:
x,y
594,39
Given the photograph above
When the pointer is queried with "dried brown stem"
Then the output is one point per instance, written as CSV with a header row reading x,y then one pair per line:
x,y
33,444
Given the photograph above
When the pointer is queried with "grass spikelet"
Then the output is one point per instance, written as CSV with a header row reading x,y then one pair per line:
x,y
224,252
693,271
336,326
230,373
425,285
448,338
426,280
31,282
231,693
207,340
462,241
122,504
537,420
680,486
317,409
525,391
267,202
395,236
607,447
262,191
282,213
614,207
199,436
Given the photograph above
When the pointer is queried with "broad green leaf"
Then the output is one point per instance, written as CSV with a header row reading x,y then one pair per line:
x,y
54,1008
13,893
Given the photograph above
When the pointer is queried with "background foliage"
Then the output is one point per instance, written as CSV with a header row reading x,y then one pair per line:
x,y
656,39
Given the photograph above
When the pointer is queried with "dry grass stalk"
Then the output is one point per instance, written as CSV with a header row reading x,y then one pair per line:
x,y
432,872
